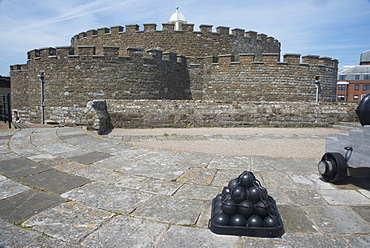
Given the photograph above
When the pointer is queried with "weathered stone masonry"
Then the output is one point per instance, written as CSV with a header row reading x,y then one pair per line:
x,y
186,42
190,113
207,68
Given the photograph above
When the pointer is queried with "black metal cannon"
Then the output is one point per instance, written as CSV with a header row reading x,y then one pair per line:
x,y
348,154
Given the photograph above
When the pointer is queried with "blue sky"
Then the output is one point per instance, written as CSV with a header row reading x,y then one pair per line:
x,y
338,29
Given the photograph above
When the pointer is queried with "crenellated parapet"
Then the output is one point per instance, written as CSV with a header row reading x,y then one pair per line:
x,y
170,27
126,63
108,52
272,59
187,42
248,77
22,67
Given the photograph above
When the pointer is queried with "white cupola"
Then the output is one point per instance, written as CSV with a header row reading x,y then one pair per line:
x,y
178,19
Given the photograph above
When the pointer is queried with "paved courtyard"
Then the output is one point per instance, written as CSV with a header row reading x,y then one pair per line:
x,y
68,187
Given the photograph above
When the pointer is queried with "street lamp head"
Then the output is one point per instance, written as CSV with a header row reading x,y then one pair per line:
x,y
317,80
42,76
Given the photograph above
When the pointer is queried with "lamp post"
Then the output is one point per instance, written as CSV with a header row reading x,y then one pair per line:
x,y
317,86
42,79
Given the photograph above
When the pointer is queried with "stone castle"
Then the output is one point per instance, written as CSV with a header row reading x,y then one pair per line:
x,y
175,63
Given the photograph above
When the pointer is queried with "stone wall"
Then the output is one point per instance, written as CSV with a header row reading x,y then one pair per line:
x,y
218,67
142,114
245,79
75,77
186,42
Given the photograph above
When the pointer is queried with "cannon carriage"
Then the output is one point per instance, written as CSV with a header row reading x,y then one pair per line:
x,y
348,154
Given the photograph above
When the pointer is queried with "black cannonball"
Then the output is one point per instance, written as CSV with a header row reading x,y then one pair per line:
x,y
247,179
233,183
218,197
253,194
229,207
260,209
217,205
221,219
246,208
255,221
226,190
238,220
226,196
270,221
238,193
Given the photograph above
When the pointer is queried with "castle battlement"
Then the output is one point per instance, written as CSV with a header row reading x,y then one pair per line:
x,y
270,59
129,36
20,67
173,63
133,54
170,28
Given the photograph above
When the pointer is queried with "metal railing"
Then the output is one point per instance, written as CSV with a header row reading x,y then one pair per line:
x,y
5,110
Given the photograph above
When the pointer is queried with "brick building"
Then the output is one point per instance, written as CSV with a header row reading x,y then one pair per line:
x,y
354,81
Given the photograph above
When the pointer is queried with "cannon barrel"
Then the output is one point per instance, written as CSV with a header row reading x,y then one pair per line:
x,y
363,110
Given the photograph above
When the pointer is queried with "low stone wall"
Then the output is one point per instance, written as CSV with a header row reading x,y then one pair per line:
x,y
165,113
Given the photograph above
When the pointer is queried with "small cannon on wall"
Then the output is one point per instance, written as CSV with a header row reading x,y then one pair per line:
x,y
348,154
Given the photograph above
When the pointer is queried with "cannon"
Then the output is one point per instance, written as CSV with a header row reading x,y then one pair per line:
x,y
348,154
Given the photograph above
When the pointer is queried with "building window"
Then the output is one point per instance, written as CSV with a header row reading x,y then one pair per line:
x,y
357,87
366,76
365,87
342,77
340,97
357,77
341,87
355,97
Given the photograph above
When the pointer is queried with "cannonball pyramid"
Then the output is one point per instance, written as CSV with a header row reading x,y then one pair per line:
x,y
245,209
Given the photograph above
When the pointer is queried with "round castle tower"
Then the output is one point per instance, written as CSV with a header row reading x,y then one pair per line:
x,y
179,37
175,63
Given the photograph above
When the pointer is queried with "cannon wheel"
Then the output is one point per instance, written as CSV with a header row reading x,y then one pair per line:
x,y
333,167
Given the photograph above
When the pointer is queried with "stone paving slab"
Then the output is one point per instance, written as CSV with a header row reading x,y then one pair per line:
x,y
228,162
297,240
197,192
5,137
363,211
69,222
54,181
21,167
337,219
358,240
41,157
146,184
108,197
124,231
13,236
170,210
2,178
180,236
96,174
200,176
296,220
9,188
90,158
22,206
140,195
344,197
48,242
